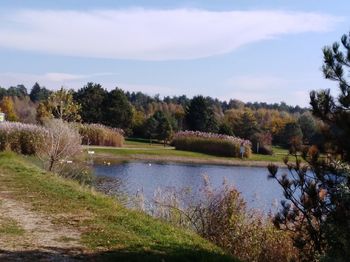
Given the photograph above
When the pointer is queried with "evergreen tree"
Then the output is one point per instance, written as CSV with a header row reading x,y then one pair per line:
x,y
164,129
308,127
38,93
91,98
291,134
119,112
225,129
200,116
150,128
317,207
336,112
3,92
19,91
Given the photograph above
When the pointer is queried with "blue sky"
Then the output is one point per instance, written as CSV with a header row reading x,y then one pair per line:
x,y
249,50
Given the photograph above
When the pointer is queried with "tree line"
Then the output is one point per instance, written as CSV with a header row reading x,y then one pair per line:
x,y
141,115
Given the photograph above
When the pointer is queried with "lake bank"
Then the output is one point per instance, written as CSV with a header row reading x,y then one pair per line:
x,y
159,154
99,228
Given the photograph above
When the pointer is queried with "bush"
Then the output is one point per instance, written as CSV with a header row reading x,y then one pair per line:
x,y
21,138
209,143
222,217
262,143
100,135
77,171
61,143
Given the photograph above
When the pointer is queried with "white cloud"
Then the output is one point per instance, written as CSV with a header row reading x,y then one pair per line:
x,y
52,80
150,34
269,88
61,77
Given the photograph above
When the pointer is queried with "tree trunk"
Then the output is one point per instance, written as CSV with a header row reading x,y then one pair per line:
x,y
52,161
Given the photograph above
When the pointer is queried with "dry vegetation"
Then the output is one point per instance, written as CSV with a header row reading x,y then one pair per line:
x,y
223,218
215,144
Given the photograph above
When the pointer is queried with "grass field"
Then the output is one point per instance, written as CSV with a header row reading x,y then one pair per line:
x,y
157,151
109,231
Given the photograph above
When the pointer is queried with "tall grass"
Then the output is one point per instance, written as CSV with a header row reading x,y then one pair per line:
x,y
221,216
210,143
21,138
100,135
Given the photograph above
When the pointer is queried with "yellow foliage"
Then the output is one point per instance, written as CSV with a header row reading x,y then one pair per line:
x,y
7,107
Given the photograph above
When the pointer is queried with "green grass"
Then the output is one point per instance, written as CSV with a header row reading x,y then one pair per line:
x,y
143,143
139,148
9,226
108,229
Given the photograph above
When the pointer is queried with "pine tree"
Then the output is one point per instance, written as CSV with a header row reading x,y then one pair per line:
x,y
336,111
39,93
200,116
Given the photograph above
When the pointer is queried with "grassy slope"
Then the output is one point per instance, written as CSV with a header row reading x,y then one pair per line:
x,y
109,230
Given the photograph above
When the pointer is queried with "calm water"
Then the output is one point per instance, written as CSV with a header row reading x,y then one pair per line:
x,y
132,177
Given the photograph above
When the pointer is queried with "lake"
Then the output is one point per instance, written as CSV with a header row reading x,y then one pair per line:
x,y
131,178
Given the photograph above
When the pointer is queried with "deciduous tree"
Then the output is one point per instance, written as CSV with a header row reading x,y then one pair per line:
x,y
7,107
60,105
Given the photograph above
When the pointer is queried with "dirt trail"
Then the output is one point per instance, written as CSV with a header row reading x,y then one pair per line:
x,y
41,235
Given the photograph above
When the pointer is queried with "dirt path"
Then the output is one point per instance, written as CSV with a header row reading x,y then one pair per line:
x,y
41,240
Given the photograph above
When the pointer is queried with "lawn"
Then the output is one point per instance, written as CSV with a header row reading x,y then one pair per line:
x,y
110,231
142,143
139,147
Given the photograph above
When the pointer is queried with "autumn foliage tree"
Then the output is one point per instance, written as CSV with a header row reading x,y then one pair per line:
x,y
7,107
61,105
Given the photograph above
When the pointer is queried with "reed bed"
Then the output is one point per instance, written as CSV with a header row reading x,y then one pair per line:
x,y
209,143
100,135
21,138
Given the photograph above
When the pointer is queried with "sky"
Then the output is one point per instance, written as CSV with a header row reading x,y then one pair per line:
x,y
266,51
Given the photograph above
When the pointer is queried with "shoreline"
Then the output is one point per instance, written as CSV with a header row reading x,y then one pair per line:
x,y
186,160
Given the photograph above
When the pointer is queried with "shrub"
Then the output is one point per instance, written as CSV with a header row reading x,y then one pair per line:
x,y
77,171
21,138
262,143
210,143
100,135
222,217
61,143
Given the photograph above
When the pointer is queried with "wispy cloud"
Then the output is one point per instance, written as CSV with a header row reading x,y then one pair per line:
x,y
150,34
55,80
270,88
52,80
